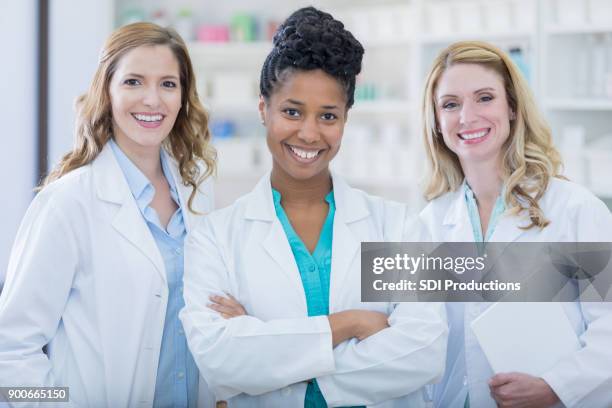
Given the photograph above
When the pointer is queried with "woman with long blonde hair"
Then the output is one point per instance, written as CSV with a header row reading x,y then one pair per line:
x,y
95,274
495,175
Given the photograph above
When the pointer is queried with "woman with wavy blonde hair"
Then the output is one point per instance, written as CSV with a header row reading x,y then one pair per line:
x,y
494,175
95,274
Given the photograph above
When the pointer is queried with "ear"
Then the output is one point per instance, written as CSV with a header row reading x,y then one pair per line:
x,y
512,115
262,109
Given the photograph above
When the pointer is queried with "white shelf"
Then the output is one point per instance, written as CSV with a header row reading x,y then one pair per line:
x,y
433,39
554,29
227,53
375,107
221,106
579,104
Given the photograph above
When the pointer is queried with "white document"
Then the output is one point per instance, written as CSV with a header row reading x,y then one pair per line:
x,y
525,337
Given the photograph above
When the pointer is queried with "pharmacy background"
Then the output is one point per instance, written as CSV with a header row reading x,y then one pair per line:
x,y
564,47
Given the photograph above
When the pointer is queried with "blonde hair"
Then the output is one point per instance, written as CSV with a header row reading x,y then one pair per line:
x,y
189,140
530,159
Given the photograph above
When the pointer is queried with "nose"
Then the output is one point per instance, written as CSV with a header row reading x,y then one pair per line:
x,y
151,97
309,131
468,112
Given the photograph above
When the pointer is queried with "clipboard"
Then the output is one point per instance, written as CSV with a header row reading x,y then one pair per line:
x,y
525,337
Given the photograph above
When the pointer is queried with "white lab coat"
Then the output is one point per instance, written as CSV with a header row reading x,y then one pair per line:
x,y
265,358
86,278
583,379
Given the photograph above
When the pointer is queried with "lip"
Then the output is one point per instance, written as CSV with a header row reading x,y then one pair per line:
x,y
148,125
299,159
476,140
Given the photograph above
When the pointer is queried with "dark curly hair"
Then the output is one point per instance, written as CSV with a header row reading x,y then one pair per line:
x,y
312,39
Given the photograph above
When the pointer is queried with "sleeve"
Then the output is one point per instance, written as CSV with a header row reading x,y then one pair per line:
x,y
41,268
245,354
398,360
584,379
394,362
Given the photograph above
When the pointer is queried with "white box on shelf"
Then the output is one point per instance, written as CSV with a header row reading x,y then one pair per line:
x,y
498,16
571,12
382,21
236,157
469,17
600,13
523,14
599,159
232,87
441,18
405,21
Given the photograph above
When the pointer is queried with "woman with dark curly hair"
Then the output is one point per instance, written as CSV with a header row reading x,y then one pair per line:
x,y
273,314
95,274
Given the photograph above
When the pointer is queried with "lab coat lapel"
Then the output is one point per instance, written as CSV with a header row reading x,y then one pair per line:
x,y
202,203
350,208
456,223
508,227
275,243
112,187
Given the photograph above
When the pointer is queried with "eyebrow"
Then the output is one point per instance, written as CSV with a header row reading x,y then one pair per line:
x,y
131,74
295,102
488,88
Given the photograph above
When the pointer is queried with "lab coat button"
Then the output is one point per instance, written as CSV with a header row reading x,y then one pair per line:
x,y
178,251
286,391
181,375
311,268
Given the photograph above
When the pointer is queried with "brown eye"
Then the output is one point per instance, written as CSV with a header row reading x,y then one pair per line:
x,y
294,113
329,116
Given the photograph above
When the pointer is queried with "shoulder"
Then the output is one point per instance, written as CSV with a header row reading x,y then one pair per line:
x,y
393,219
565,195
221,222
436,209
68,190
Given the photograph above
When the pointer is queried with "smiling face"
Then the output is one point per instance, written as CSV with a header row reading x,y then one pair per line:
x,y
473,113
145,94
304,118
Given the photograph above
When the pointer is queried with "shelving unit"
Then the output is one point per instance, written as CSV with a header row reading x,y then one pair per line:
x,y
382,149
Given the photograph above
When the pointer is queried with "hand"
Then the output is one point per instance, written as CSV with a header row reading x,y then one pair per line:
x,y
518,390
355,323
369,323
227,307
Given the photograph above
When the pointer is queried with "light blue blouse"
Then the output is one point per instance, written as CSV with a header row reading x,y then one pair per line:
x,y
177,373
452,391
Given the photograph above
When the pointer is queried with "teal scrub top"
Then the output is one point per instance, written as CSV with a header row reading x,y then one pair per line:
x,y
315,270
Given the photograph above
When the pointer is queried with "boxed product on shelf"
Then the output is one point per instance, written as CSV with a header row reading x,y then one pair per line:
x,y
571,12
600,12
598,154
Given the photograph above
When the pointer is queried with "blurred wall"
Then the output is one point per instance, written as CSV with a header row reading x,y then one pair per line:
x,y
77,32
18,22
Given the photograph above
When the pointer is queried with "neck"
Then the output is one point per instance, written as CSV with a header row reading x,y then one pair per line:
x,y
147,159
301,192
484,179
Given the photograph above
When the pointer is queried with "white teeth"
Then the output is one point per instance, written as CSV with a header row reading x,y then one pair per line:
x,y
304,154
470,136
148,118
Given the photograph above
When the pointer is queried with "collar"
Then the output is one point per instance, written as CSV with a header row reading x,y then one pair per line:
x,y
141,188
350,203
